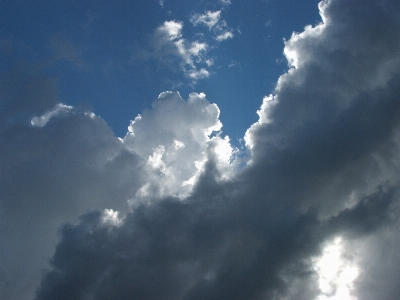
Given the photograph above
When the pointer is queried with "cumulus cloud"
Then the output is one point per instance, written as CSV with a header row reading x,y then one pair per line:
x,y
319,182
57,163
175,138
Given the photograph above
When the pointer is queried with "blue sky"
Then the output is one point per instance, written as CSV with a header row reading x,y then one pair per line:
x,y
200,150
102,52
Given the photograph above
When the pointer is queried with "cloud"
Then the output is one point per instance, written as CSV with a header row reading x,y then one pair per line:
x,y
64,164
212,20
171,30
209,19
225,2
319,181
176,53
173,52
224,36
60,163
175,137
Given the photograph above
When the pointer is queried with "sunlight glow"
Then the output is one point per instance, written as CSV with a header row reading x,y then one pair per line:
x,y
336,272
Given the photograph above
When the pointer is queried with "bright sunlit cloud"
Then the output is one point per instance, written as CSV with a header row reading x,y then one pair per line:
x,y
336,272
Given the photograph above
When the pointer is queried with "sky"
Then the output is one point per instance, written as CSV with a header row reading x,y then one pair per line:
x,y
225,149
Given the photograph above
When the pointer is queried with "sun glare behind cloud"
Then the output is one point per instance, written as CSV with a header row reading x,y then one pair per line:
x,y
336,273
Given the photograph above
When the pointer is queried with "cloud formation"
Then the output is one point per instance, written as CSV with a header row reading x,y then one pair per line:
x,y
175,138
319,181
192,56
52,171
212,20
171,50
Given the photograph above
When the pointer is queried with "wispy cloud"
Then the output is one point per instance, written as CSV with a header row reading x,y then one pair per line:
x,y
214,23
226,2
224,36
209,19
191,56
170,49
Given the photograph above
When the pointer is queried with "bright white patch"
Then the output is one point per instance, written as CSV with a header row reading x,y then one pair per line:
x,y
224,155
223,149
155,160
171,29
43,119
178,145
336,272
110,217
90,115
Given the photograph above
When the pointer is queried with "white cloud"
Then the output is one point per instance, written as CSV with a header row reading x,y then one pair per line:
x,y
224,36
110,217
192,56
198,74
58,109
172,136
209,19
214,23
171,29
223,32
172,50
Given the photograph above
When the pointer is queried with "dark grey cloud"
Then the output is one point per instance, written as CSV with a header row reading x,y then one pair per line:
x,y
195,250
50,174
322,169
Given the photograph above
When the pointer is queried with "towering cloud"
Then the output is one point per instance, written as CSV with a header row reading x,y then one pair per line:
x,y
174,137
172,211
